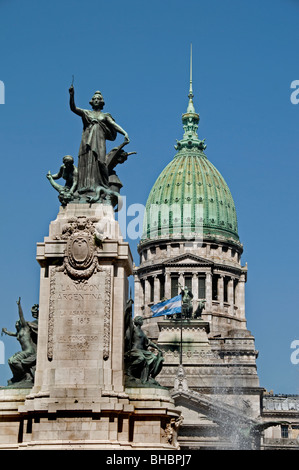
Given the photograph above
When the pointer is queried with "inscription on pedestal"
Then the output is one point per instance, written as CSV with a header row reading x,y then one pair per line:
x,y
79,315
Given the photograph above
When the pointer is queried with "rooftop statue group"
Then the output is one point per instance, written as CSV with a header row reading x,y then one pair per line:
x,y
187,312
95,179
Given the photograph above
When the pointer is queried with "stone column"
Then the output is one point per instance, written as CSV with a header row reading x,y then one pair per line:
x,y
181,279
147,292
156,289
220,291
167,285
138,296
241,297
168,250
195,291
195,286
230,296
208,292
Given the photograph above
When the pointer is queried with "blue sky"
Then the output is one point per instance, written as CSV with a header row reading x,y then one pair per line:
x,y
245,57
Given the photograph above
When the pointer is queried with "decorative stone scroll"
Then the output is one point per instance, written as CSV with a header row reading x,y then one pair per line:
x,y
107,315
52,310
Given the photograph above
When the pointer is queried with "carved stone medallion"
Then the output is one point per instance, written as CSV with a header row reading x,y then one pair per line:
x,y
80,261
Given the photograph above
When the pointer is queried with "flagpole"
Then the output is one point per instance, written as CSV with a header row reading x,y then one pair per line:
x,y
181,348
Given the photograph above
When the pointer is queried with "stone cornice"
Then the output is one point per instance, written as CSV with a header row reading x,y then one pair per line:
x,y
187,260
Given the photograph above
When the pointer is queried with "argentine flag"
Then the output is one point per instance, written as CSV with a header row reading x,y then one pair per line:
x,y
167,307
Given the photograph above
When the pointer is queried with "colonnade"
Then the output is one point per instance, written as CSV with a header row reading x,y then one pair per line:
x,y
222,291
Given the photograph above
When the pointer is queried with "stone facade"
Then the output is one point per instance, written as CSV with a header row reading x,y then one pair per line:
x,y
285,409
218,352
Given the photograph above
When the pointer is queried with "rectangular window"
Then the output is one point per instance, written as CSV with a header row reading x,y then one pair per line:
x,y
225,289
174,286
235,290
188,282
143,290
151,281
284,431
162,287
201,286
215,287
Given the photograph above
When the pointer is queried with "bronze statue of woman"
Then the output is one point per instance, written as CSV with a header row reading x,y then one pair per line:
x,y
97,128
23,363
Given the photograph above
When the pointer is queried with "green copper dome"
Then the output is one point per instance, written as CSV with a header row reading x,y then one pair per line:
x,y
190,198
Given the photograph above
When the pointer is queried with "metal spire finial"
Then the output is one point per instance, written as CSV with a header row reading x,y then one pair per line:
x,y
190,96
190,108
190,122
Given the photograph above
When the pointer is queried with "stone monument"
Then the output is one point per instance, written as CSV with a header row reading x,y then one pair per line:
x,y
89,389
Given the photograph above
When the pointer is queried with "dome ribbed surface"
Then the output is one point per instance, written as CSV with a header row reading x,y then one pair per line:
x,y
190,197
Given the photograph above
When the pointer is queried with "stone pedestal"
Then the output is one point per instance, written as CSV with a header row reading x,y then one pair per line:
x,y
79,398
85,266
183,342
192,335
11,423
